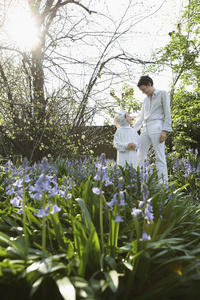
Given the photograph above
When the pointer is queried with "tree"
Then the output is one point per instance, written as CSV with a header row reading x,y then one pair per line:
x,y
50,91
127,102
181,56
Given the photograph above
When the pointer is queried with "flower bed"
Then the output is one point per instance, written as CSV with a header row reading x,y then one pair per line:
x,y
87,229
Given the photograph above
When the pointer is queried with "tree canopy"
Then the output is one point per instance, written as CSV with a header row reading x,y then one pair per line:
x,y
181,56
57,86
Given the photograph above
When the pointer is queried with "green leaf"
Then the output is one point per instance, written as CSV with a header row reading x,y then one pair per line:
x,y
66,288
36,286
14,247
113,279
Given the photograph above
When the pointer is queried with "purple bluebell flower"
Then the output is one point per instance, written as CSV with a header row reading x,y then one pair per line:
x,y
122,202
108,182
69,196
20,211
149,211
55,209
36,196
120,183
136,211
44,164
10,191
16,201
42,213
40,180
46,186
144,191
118,219
26,178
148,215
97,177
141,203
113,200
111,203
102,158
65,180
18,183
24,163
53,192
62,193
145,237
121,194
9,165
96,190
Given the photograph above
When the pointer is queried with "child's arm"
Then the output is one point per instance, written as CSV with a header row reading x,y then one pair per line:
x,y
119,142
136,139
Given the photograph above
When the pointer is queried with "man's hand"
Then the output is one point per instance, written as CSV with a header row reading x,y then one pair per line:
x,y
163,136
131,146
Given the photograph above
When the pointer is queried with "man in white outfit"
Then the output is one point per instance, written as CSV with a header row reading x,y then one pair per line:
x,y
155,120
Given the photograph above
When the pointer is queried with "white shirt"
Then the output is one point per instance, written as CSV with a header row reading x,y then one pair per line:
x,y
123,136
156,109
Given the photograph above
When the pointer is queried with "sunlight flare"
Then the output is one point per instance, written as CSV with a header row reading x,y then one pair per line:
x,y
22,29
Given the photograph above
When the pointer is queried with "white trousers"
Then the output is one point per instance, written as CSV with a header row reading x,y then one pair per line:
x,y
150,134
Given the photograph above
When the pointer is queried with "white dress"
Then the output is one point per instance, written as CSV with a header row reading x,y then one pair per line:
x,y
123,136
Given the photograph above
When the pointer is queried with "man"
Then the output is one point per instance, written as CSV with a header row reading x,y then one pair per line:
x,y
155,117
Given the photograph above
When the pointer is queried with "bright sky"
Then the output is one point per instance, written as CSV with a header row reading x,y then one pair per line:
x,y
151,33
151,22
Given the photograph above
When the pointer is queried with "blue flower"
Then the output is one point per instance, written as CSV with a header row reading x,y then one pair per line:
x,y
44,164
122,202
16,201
53,192
118,219
26,178
96,190
111,203
18,183
144,191
136,211
97,176
56,209
113,200
24,163
141,203
42,213
108,182
148,215
46,186
36,196
121,194
102,159
62,193
11,191
20,211
120,183
145,237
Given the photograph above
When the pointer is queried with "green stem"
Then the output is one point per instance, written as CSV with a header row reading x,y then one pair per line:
x,y
49,235
43,230
43,237
101,216
24,222
116,232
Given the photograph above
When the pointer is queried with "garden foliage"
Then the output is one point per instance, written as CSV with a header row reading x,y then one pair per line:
x,y
88,229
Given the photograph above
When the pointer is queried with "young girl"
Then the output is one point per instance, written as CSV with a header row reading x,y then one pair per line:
x,y
126,141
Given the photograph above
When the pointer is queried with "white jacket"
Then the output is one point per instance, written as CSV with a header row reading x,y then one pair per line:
x,y
123,136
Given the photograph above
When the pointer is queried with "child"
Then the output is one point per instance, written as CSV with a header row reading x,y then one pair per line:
x,y
126,141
